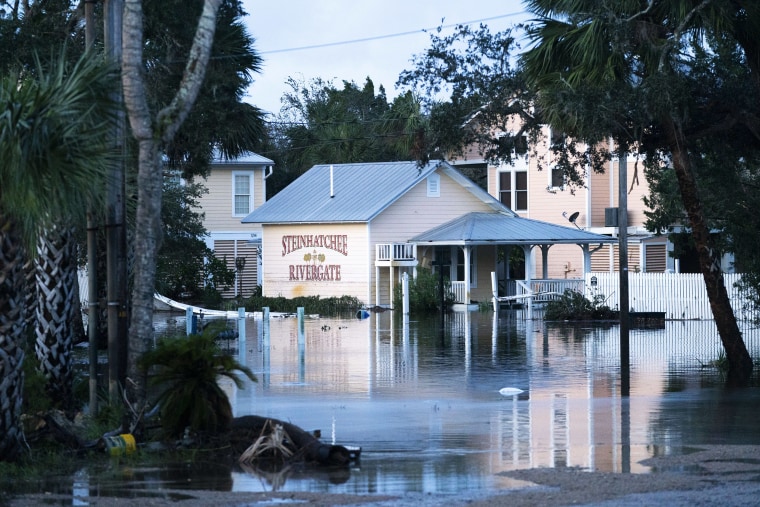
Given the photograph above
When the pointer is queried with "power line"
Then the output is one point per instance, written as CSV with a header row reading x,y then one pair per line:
x,y
388,36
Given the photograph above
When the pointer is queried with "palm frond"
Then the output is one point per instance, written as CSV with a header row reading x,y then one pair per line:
x,y
55,140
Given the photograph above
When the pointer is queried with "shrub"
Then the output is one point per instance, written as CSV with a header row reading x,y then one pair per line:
x,y
185,372
334,306
424,293
573,305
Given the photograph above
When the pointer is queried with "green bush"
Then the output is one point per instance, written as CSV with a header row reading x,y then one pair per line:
x,y
184,370
573,305
424,293
333,307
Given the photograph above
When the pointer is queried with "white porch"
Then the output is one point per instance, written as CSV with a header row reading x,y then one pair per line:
x,y
392,256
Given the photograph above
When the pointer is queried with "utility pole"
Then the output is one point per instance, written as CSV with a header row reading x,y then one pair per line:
x,y
93,306
625,372
116,242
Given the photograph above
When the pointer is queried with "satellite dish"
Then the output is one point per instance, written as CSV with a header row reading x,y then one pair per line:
x,y
572,218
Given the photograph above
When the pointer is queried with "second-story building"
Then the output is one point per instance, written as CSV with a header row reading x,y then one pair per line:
x,y
533,187
236,187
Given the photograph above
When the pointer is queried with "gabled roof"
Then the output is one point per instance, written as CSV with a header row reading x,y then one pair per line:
x,y
359,192
247,157
479,228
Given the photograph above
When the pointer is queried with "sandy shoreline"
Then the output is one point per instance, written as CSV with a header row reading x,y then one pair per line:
x,y
705,475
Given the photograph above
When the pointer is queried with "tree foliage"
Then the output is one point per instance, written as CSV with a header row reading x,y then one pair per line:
x,y
188,275
667,80
220,119
650,71
320,123
55,150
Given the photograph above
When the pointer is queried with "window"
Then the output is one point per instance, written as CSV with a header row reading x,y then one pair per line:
x,y
557,177
513,189
434,185
558,141
242,194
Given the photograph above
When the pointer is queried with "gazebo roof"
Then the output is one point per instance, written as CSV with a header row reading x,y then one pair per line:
x,y
486,228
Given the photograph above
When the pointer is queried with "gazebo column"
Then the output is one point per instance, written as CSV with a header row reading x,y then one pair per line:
x,y
545,261
528,252
466,275
586,259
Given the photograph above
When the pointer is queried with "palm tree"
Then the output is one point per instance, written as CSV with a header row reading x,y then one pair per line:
x,y
56,288
53,144
623,69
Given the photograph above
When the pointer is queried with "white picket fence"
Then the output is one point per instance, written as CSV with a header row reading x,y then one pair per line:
x,y
680,296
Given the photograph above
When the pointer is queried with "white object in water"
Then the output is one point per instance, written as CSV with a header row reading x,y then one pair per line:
x,y
510,391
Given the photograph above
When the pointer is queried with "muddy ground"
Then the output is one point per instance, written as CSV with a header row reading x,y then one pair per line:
x,y
704,476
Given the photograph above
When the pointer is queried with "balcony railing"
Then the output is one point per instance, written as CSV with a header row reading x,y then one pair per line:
x,y
396,252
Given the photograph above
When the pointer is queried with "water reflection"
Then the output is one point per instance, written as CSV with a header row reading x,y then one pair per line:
x,y
421,398
423,401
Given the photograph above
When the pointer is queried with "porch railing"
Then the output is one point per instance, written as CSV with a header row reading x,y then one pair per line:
x,y
458,289
389,252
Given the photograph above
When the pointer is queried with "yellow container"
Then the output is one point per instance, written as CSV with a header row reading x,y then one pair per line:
x,y
121,445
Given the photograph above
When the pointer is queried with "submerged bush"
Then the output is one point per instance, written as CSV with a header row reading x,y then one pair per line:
x,y
573,305
424,293
333,306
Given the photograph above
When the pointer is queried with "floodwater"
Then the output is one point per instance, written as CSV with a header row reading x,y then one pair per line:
x,y
422,400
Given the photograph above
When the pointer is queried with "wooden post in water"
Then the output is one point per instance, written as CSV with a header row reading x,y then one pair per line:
x,y
495,291
265,344
241,335
189,320
405,293
301,346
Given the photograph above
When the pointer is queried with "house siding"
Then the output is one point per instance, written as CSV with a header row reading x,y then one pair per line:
x,y
217,203
556,204
227,236
228,251
415,213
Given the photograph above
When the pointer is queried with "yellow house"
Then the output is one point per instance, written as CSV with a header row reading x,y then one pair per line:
x,y
533,187
235,188
354,229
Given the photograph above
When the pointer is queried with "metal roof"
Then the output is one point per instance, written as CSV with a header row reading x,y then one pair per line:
x,y
247,157
492,228
359,192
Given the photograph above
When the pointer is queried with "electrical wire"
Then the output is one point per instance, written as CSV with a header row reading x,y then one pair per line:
x,y
387,36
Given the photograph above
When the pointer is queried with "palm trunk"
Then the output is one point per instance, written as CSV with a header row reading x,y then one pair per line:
x,y
739,360
56,284
12,336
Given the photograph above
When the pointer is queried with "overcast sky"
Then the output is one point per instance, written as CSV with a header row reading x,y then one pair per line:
x,y
358,38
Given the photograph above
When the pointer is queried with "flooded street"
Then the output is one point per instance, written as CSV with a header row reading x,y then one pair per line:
x,y
422,399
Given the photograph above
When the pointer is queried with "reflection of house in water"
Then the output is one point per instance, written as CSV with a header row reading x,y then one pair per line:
x,y
570,414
